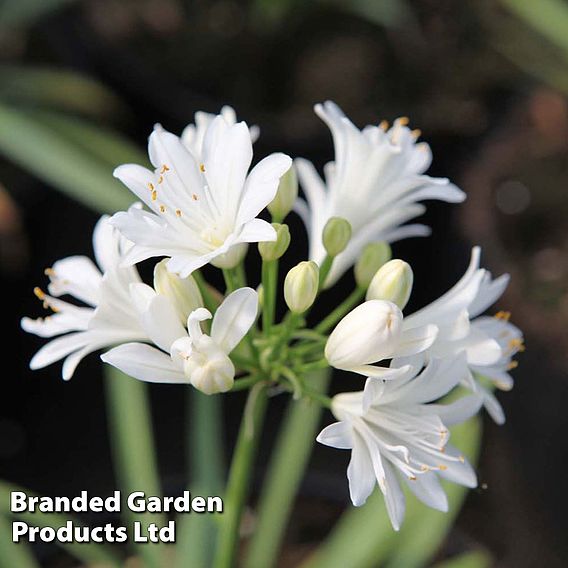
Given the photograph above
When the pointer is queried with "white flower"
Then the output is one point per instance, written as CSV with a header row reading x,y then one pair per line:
x,y
489,343
186,356
200,212
194,134
390,428
375,182
110,317
372,332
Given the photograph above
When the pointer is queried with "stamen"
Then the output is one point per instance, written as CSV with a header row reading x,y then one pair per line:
x,y
403,120
40,294
154,195
502,315
162,209
178,212
412,478
512,365
202,167
151,186
384,125
442,467
164,169
160,179
462,459
49,272
416,133
194,197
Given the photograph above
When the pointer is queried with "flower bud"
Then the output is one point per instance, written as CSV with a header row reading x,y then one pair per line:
x,y
273,250
374,255
183,293
392,282
301,286
368,334
336,235
286,195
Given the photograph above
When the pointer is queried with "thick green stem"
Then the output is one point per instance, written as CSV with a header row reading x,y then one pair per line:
x,y
205,451
324,270
285,472
346,306
239,477
132,441
269,282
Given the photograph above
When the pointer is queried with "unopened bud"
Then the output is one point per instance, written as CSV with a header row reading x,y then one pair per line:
x,y
374,255
183,293
392,282
301,286
286,195
273,250
336,235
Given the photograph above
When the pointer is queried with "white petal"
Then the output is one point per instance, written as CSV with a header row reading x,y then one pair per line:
x,y
234,318
337,435
256,231
360,472
77,276
59,348
416,340
459,411
428,489
394,497
161,323
106,241
145,363
261,186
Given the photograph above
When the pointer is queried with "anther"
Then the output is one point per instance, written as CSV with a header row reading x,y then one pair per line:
x,y
151,186
416,133
154,195
202,168
164,169
194,197
162,209
403,120
40,294
49,272
512,365
384,125
505,316
178,212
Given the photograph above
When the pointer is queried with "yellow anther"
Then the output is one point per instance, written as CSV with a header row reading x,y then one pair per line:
x,y
160,179
49,272
512,365
384,125
462,459
162,209
40,294
505,316
424,468
178,212
416,133
154,195
403,120
194,197
164,169
442,467
412,478
151,186
202,167
517,343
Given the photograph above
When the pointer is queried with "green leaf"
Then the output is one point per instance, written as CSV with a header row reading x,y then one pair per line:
x,y
57,89
52,153
87,552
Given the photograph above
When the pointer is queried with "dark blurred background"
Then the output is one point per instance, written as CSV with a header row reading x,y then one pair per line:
x,y
487,83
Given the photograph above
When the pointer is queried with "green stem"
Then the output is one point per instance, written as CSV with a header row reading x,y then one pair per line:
x,y
324,270
132,441
269,282
239,476
346,306
230,281
205,451
244,383
287,465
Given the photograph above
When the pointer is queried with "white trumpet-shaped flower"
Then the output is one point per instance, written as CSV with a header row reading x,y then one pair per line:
x,y
107,316
194,134
489,343
201,209
394,433
375,182
373,332
186,356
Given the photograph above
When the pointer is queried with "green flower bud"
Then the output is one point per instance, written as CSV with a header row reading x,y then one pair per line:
x,y
273,250
301,286
183,293
286,195
374,255
336,235
392,282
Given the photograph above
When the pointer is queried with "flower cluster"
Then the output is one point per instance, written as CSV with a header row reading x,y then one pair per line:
x,y
199,205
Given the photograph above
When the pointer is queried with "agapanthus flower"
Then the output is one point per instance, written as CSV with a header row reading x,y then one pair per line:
x,y
489,343
200,211
372,332
181,355
394,434
105,316
375,182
